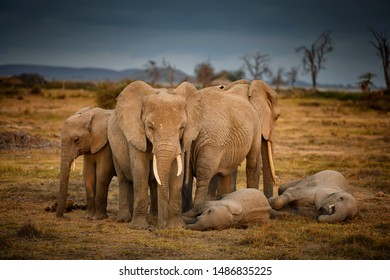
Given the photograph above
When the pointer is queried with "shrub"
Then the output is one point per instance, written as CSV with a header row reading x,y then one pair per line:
x,y
107,93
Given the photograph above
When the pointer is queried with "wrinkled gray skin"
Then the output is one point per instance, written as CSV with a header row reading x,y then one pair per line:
x,y
238,209
324,196
85,133
152,129
233,130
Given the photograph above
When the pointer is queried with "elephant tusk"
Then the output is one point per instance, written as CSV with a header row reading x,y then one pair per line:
x,y
271,161
155,171
74,165
179,165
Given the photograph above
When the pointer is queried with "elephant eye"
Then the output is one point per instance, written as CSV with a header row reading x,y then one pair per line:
x,y
76,140
150,126
341,198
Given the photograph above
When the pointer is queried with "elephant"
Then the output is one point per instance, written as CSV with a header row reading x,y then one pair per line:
x,y
152,129
238,123
237,209
85,133
324,196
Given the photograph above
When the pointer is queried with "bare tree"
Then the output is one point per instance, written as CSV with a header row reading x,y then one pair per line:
x,y
365,81
382,45
278,80
153,71
257,64
314,56
170,71
204,73
292,76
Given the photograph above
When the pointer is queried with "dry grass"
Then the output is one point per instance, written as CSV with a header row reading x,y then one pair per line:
x,y
313,134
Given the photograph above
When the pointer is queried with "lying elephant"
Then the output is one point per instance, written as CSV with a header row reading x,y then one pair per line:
x,y
240,208
323,195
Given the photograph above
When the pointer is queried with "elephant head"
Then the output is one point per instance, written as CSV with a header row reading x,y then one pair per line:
x,y
265,101
170,120
219,216
336,207
83,132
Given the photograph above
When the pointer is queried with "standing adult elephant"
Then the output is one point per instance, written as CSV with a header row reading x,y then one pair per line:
x,y
153,127
233,129
85,133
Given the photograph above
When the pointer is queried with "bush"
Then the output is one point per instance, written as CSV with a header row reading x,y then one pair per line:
x,y
107,93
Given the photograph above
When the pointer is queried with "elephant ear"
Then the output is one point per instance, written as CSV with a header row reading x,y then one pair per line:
x,y
321,195
98,128
128,112
194,112
234,207
265,101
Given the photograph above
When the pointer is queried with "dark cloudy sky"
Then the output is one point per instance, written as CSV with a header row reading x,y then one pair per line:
x,y
126,34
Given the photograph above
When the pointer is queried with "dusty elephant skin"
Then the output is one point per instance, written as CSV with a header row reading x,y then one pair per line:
x,y
238,123
85,133
240,208
150,133
324,196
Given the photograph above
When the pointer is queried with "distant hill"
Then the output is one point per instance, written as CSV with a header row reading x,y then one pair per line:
x,y
87,74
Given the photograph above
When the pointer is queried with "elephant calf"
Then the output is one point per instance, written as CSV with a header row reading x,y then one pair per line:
x,y
323,195
240,208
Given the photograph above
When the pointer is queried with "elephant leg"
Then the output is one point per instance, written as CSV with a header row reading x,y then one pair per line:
x,y
213,187
126,197
140,164
279,202
105,172
175,202
253,166
89,174
224,185
153,197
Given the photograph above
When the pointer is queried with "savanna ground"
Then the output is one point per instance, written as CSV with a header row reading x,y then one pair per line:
x,y
313,134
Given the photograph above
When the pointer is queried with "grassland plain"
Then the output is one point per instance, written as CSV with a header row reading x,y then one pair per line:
x,y
313,134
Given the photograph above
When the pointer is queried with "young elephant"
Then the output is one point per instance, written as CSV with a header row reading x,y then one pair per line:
x,y
85,133
240,208
323,195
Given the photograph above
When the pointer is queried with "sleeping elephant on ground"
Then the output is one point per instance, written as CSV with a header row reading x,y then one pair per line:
x,y
233,130
323,195
85,133
153,127
240,208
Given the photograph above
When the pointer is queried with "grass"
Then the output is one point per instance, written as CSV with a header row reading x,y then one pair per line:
x,y
314,133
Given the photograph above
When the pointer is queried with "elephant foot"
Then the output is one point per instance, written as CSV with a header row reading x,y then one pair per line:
x,y
89,215
100,216
276,203
123,217
139,223
175,223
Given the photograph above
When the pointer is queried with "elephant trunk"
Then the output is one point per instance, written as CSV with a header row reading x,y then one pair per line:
x,y
268,168
167,162
66,161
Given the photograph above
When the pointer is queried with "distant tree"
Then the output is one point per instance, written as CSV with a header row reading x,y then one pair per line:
x,y
231,75
170,71
292,76
204,73
153,71
31,80
365,81
257,64
314,56
382,45
277,79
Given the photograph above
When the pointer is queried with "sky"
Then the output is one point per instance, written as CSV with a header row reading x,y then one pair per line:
x,y
127,34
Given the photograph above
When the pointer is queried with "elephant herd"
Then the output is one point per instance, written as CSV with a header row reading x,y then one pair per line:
x,y
159,141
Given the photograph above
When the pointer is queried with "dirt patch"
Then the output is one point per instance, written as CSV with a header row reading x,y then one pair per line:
x,y
21,140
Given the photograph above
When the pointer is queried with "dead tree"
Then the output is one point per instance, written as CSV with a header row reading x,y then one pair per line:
x,y
382,47
170,71
257,65
314,56
292,76
153,71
